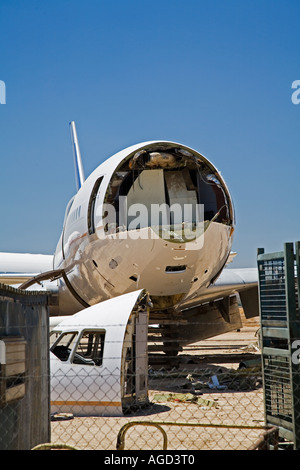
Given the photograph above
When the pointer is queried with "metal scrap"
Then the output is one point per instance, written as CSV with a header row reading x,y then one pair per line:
x,y
245,378
183,398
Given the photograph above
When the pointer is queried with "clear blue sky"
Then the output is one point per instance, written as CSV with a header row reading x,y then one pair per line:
x,y
215,75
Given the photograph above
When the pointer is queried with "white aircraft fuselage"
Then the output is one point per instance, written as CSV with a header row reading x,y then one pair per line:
x,y
157,215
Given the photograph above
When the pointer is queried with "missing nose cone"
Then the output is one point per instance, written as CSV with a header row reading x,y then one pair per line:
x,y
169,188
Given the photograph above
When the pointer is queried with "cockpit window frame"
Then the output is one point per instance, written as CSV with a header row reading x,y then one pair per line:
x,y
91,206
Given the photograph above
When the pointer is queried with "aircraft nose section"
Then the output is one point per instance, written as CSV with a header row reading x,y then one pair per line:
x,y
170,188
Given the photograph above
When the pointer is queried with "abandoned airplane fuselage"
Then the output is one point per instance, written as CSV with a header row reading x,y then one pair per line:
x,y
99,362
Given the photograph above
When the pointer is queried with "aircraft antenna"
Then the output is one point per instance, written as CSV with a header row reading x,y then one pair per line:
x,y
79,174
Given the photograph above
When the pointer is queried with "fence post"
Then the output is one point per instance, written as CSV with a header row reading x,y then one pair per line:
x,y
292,294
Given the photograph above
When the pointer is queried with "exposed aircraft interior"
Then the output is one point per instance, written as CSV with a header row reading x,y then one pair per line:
x,y
168,176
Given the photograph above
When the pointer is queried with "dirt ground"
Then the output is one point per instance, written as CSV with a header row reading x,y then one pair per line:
x,y
193,415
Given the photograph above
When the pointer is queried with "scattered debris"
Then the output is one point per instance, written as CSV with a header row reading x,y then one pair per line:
x,y
246,377
240,379
61,416
251,364
214,383
183,398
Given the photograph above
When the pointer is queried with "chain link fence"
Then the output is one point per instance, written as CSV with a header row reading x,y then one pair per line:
x,y
212,399
100,393
209,396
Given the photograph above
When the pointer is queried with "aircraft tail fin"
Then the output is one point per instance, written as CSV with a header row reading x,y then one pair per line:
x,y
79,173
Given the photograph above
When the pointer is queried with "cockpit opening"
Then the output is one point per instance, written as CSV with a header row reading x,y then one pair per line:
x,y
167,186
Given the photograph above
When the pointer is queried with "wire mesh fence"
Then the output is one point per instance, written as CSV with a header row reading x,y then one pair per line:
x,y
212,399
192,415
209,396
104,388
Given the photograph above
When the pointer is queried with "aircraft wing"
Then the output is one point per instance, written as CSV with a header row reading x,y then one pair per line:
x,y
236,279
243,281
16,268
